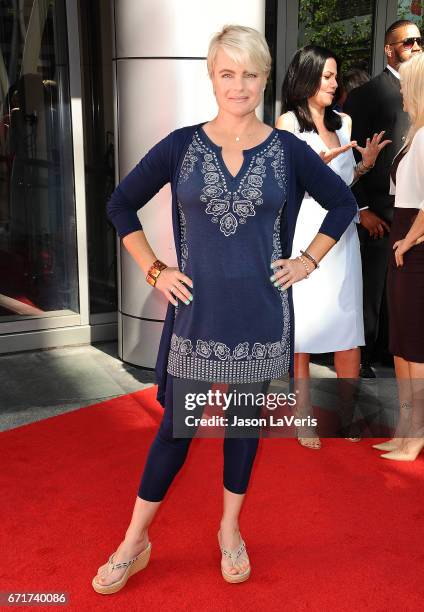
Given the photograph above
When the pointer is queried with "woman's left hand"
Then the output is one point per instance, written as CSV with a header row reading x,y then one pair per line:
x,y
292,271
330,154
402,246
372,149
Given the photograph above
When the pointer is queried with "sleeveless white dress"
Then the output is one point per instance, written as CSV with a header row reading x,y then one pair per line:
x,y
328,306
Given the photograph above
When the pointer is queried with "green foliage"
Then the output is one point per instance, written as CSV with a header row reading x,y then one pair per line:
x,y
404,13
350,39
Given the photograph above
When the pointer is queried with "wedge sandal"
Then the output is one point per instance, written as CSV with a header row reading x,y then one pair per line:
x,y
132,567
234,556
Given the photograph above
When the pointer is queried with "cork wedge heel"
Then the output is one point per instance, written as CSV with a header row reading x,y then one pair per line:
x,y
132,567
234,556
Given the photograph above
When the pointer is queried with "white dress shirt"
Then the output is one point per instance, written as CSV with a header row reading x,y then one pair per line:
x,y
409,189
395,72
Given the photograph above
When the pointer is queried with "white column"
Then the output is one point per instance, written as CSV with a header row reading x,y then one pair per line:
x,y
161,83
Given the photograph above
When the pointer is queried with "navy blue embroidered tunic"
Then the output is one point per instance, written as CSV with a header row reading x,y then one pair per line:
x,y
237,328
227,230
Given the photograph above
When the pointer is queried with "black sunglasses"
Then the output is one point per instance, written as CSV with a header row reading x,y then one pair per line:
x,y
408,43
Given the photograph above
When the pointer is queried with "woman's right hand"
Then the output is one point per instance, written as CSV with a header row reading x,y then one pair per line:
x,y
372,149
172,283
328,156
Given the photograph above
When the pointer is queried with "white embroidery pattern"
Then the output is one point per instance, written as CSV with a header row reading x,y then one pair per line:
x,y
276,241
208,348
212,360
183,237
277,254
231,209
189,161
216,362
278,164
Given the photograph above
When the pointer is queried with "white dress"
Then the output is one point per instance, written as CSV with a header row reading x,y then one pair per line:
x,y
328,306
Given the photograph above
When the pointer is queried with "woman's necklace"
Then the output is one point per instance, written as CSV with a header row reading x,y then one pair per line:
x,y
246,136
225,137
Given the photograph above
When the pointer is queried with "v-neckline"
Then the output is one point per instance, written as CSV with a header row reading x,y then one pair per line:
x,y
335,131
218,149
338,138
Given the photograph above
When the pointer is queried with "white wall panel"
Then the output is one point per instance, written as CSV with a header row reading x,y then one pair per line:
x,y
179,28
141,341
153,97
156,97
138,297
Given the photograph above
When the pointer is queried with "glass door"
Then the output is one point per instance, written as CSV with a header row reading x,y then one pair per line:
x,y
38,251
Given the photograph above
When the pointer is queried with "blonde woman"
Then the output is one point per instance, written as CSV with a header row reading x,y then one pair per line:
x,y
237,185
405,282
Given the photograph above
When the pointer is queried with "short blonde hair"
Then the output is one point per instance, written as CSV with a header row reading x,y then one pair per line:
x,y
412,83
240,43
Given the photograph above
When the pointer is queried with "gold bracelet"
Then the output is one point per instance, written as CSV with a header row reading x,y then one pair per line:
x,y
154,271
305,265
309,256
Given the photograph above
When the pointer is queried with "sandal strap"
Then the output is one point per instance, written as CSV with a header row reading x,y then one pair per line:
x,y
121,563
234,555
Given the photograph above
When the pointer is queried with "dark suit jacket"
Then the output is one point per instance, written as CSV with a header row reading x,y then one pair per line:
x,y
376,106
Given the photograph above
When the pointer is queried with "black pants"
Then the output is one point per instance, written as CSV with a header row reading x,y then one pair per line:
x,y
167,454
374,253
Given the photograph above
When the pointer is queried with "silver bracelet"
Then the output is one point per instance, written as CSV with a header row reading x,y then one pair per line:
x,y
305,265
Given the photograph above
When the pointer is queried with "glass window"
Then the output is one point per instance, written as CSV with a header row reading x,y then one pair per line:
x,y
97,79
38,257
344,27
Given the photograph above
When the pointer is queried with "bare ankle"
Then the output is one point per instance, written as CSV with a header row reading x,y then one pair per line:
x,y
229,525
135,538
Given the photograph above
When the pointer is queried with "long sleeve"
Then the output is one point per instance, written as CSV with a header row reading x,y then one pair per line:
x,y
139,186
410,175
359,112
419,165
326,187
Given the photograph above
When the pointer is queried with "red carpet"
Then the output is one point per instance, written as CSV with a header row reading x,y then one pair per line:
x,y
338,529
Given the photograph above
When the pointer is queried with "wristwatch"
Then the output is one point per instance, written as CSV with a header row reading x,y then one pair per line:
x,y
154,271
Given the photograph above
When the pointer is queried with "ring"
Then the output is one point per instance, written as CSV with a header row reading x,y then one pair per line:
x,y
172,289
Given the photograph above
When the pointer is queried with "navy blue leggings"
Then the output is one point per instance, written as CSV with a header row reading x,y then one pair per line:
x,y
167,454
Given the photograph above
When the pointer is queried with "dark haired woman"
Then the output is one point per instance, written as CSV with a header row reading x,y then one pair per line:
x,y
328,308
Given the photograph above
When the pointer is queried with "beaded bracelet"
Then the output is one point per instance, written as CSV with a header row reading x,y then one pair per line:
x,y
309,256
305,265
362,169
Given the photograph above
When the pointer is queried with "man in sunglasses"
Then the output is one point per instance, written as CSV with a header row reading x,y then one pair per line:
x,y
376,106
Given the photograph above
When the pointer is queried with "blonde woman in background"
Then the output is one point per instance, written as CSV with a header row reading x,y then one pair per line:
x,y
405,281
